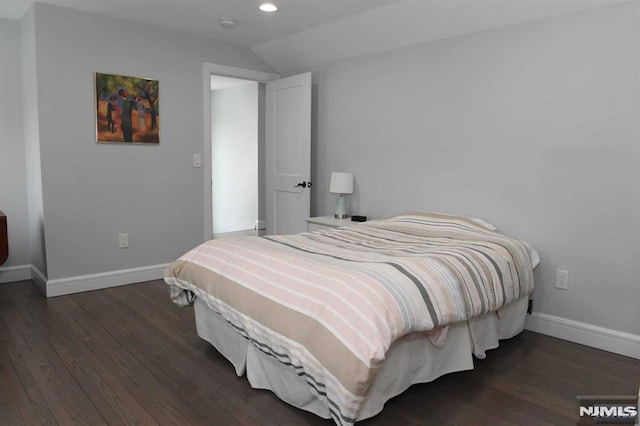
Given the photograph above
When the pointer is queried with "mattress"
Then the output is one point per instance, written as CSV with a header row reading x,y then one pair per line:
x,y
410,360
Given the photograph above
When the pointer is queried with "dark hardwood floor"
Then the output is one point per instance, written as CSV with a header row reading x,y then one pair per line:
x,y
127,355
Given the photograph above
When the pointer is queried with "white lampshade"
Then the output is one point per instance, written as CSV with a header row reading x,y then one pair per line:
x,y
341,183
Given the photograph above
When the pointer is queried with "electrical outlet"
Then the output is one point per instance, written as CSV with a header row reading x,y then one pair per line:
x,y
562,279
197,160
123,240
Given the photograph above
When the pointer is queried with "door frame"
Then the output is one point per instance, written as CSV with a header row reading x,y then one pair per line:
x,y
209,69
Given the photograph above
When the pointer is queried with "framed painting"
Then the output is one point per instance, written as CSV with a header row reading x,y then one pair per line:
x,y
127,109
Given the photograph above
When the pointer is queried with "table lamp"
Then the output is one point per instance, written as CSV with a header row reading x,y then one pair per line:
x,y
341,184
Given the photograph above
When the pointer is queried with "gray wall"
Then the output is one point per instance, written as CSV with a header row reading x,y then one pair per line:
x,y
234,157
13,180
92,192
32,140
262,191
532,127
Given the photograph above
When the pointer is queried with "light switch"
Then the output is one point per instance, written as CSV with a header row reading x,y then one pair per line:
x,y
197,160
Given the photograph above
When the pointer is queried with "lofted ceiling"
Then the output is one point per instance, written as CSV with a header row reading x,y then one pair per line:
x,y
304,33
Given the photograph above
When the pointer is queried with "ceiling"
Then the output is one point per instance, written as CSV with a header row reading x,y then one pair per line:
x,y
201,17
304,33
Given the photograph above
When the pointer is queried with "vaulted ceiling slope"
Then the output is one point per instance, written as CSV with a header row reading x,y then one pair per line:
x,y
305,33
407,23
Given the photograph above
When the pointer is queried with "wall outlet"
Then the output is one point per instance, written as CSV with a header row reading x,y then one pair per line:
x,y
562,279
123,240
197,160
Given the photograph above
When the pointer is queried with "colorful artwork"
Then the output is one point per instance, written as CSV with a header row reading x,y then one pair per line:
x,y
127,109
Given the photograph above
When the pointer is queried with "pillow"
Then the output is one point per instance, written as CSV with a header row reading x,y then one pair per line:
x,y
476,220
484,224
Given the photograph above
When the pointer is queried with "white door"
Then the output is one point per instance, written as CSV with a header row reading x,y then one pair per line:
x,y
288,153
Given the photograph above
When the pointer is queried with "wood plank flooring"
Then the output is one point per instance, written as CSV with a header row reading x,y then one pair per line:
x,y
127,355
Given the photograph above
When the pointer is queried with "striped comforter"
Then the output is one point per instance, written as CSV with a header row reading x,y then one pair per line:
x,y
330,303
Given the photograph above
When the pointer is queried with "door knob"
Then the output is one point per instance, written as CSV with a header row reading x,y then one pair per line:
x,y
303,184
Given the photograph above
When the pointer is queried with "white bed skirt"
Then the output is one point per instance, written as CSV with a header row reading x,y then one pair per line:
x,y
410,360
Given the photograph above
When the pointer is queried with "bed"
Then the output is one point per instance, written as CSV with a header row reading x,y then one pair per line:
x,y
338,321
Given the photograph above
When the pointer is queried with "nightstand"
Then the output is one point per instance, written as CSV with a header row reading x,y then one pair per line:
x,y
326,222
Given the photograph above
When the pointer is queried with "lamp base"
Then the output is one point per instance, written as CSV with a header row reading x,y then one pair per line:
x,y
341,211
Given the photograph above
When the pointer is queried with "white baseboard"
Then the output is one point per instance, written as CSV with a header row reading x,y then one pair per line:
x,y
39,279
618,342
260,224
62,286
11,274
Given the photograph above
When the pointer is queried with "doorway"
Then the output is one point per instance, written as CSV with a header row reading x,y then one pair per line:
x,y
284,115
235,137
259,77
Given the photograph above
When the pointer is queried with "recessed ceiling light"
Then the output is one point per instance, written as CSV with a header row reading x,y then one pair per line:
x,y
268,7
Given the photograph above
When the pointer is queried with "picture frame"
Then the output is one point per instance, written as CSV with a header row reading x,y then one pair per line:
x,y
127,109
